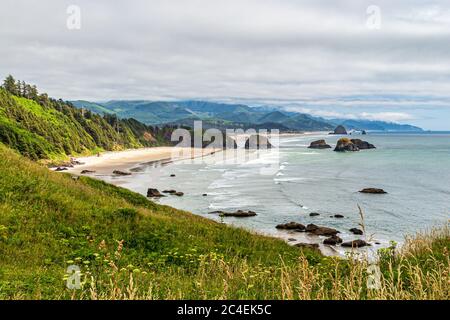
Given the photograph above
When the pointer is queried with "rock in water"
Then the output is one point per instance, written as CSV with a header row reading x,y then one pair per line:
x,y
319,144
291,226
333,240
121,173
154,193
179,194
356,231
314,214
373,191
364,132
87,171
257,141
339,130
362,145
321,231
339,216
345,144
239,214
355,244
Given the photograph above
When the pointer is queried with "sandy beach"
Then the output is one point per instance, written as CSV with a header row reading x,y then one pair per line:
x,y
125,160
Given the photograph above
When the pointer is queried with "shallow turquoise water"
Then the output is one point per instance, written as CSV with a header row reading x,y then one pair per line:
x,y
287,184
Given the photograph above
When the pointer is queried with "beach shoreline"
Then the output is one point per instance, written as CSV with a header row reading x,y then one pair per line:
x,y
107,162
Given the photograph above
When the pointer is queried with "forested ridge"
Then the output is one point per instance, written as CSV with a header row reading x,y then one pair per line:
x,y
40,127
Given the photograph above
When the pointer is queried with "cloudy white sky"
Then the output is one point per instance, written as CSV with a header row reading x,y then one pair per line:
x,y
312,56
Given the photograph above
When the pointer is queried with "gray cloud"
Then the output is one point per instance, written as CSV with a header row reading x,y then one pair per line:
x,y
318,55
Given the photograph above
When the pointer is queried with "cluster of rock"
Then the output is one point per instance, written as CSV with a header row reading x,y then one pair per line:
x,y
63,166
330,233
345,144
238,213
174,192
154,193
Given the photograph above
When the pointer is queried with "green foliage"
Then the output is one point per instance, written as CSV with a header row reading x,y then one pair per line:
x,y
43,128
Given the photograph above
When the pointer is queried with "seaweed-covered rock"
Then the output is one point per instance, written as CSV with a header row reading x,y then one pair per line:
x,y
345,144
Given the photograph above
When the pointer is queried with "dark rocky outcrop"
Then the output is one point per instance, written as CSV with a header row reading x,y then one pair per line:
x,y
364,132
179,193
333,240
61,169
345,144
339,130
238,213
171,191
87,171
154,193
339,216
319,144
355,244
373,191
356,231
257,141
205,194
362,145
314,214
172,175
121,173
291,226
320,231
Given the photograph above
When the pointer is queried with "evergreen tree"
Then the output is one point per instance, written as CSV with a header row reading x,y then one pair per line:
x,y
9,84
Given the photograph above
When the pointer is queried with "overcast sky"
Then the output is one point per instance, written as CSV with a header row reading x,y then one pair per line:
x,y
321,57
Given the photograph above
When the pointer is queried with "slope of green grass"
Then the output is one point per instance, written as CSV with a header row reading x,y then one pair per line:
x,y
128,247
48,219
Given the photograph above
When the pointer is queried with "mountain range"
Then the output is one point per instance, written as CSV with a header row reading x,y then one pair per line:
x,y
222,116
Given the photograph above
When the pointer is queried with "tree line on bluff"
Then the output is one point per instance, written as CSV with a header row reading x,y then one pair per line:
x,y
41,127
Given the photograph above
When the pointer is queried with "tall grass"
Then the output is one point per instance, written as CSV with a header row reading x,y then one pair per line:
x,y
404,275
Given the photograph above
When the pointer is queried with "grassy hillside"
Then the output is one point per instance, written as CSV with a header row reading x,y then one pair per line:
x,y
129,247
43,128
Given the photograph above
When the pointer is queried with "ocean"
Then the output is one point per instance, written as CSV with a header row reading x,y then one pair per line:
x,y
288,183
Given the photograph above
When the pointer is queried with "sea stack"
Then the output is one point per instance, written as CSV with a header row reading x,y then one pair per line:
x,y
340,130
257,141
345,144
